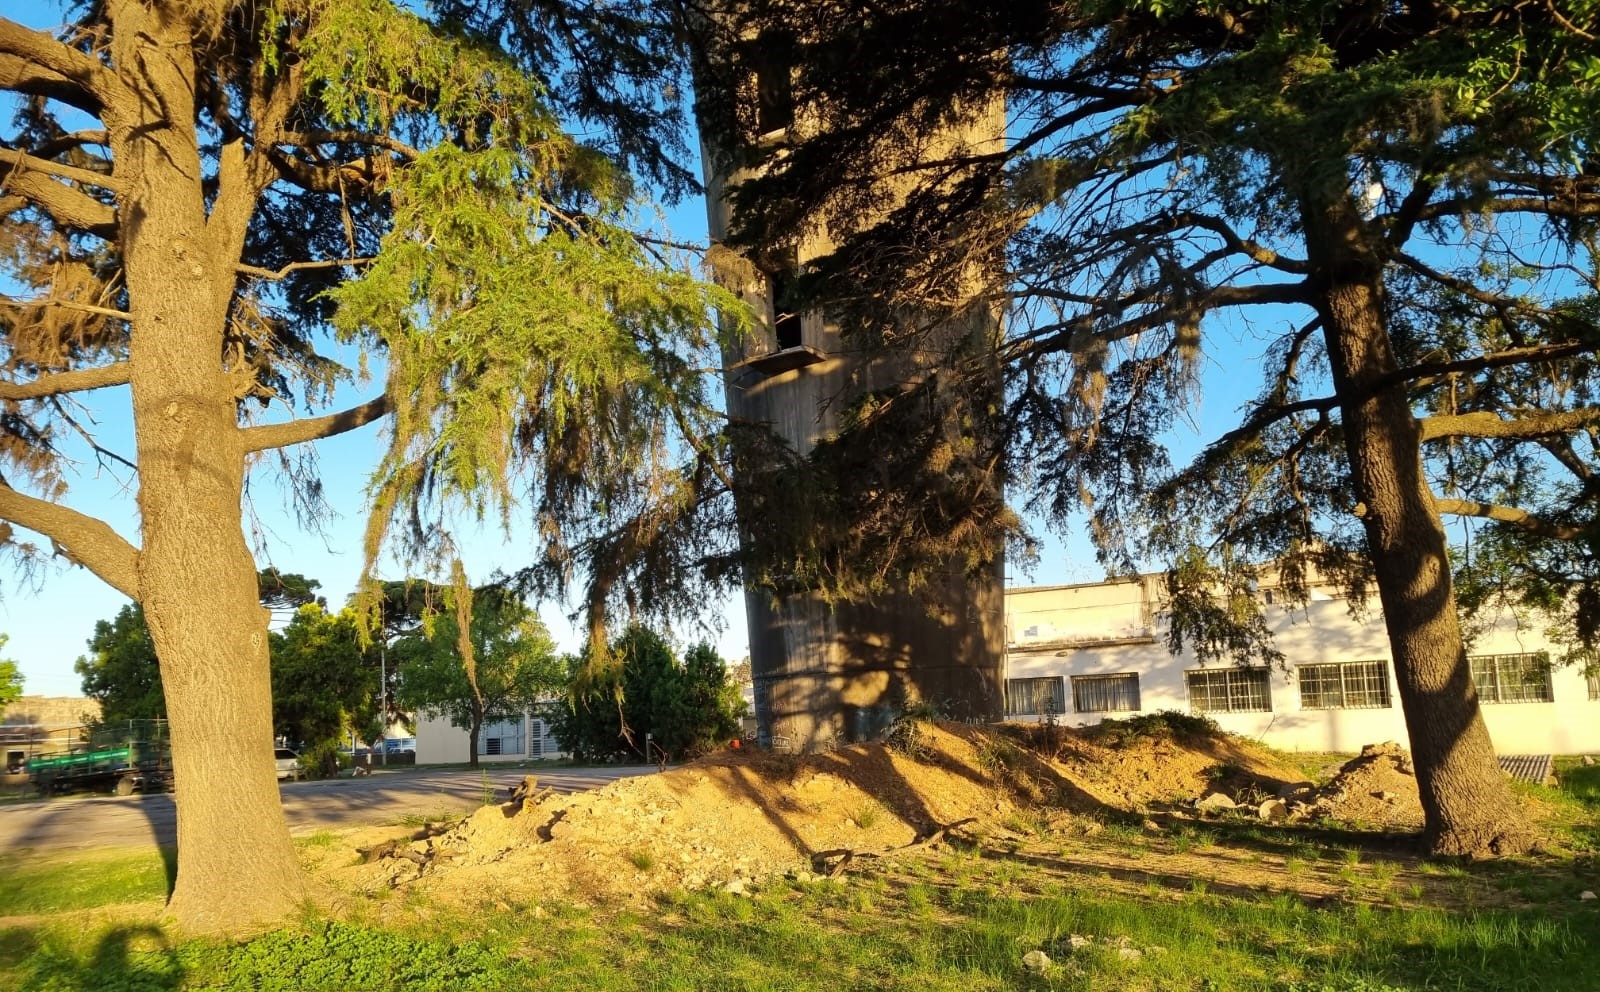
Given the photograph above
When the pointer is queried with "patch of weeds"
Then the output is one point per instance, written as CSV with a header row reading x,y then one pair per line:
x,y
1029,822
642,859
1383,873
1161,725
866,815
918,899
321,838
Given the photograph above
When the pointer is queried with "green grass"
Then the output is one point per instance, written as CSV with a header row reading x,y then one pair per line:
x,y
31,885
1582,783
946,926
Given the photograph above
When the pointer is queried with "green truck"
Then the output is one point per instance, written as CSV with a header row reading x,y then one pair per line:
x,y
132,756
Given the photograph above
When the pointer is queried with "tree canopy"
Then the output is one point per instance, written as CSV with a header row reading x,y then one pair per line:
x,y
10,678
121,671
201,196
324,680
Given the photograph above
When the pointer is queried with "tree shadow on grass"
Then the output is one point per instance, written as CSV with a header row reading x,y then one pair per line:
x,y
133,958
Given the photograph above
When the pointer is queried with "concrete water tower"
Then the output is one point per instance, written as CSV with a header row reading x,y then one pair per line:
x,y
827,673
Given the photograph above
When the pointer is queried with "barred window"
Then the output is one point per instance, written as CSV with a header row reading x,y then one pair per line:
x,y
1105,693
1512,678
505,737
1229,690
1035,697
1350,685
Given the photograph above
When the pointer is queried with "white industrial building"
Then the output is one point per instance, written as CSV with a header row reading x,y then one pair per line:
x,y
521,738
1086,652
1082,653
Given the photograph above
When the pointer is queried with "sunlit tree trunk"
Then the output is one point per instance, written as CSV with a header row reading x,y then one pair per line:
x,y
1466,801
197,578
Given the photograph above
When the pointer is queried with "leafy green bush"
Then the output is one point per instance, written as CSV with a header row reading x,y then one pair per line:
x,y
685,708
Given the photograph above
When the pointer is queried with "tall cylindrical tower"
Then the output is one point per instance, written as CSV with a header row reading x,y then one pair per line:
x,y
830,672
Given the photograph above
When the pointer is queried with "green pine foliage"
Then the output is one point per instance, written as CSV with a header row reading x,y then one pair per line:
x,y
684,707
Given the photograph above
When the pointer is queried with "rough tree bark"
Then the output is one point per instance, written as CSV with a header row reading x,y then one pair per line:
x,y
197,578
473,733
1467,804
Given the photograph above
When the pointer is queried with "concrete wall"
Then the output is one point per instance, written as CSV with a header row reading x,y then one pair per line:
x,y
1051,632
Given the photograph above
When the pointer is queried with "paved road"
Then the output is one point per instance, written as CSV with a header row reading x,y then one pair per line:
x,y
79,823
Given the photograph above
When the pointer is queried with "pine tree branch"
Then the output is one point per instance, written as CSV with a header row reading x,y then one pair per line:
x,y
80,538
46,61
314,428
1577,206
1486,424
1252,250
276,275
1519,518
67,305
76,381
68,207
19,75
309,139
21,161
1430,372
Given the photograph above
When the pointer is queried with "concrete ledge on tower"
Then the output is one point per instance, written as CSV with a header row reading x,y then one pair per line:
x,y
778,362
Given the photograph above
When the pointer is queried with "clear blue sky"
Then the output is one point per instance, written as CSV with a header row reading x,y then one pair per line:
x,y
50,615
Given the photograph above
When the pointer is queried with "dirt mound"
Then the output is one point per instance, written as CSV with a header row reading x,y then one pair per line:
x,y
735,818
1377,787
1164,759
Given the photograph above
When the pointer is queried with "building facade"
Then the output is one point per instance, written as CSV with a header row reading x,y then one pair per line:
x,y
526,737
1081,653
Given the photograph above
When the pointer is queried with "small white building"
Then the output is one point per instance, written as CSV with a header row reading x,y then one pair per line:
x,y
523,738
1086,652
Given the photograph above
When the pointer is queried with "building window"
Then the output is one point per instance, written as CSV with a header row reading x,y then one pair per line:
x,y
1351,685
1105,693
1512,678
1594,682
1035,697
771,60
1229,690
502,738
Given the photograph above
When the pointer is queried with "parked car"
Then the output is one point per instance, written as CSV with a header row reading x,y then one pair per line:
x,y
288,764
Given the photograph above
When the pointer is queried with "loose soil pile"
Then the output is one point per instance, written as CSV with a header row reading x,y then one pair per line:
x,y
735,818
1377,787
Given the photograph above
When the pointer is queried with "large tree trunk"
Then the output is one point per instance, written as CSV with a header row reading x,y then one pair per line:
x,y
1466,801
197,579
472,739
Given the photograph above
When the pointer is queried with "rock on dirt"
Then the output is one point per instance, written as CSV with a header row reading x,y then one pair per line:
x,y
1216,802
1273,810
